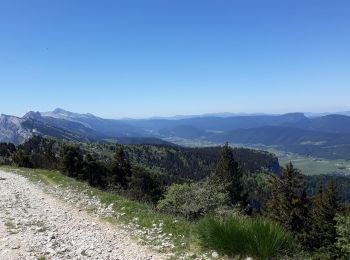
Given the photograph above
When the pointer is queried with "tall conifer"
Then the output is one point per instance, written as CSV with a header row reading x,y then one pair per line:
x,y
228,176
323,234
288,203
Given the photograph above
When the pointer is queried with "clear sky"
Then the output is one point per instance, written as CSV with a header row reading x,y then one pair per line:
x,y
167,57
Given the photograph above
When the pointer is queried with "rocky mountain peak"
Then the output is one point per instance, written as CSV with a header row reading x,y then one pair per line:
x,y
32,115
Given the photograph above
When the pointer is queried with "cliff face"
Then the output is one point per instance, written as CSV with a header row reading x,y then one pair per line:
x,y
16,130
12,130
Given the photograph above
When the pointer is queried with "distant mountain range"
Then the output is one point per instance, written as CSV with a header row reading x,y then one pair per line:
x,y
323,136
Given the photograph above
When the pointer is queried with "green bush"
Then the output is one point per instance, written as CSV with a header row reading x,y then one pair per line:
x,y
343,235
144,186
192,200
21,159
236,235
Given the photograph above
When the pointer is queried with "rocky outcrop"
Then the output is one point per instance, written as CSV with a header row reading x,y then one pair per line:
x,y
12,130
16,130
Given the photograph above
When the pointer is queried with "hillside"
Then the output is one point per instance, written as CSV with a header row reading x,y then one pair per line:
x,y
17,130
219,123
196,163
38,218
107,127
328,124
11,129
306,142
167,182
325,136
176,163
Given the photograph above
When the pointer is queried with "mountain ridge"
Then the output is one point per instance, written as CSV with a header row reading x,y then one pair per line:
x,y
293,131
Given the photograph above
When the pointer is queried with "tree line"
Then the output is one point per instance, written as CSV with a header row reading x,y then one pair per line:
x,y
116,174
319,222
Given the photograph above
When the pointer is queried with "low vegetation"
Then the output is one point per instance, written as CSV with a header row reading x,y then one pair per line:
x,y
232,210
135,216
192,200
343,234
237,235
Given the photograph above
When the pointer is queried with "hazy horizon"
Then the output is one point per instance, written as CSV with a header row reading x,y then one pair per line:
x,y
142,59
175,116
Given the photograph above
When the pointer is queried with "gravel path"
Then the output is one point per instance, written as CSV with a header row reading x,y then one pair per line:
x,y
34,225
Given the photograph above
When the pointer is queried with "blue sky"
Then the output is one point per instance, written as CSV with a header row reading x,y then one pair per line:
x,y
155,57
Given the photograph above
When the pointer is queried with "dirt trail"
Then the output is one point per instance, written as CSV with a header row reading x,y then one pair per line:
x,y
34,225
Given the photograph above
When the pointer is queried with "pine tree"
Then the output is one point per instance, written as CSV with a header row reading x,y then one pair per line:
x,y
343,235
94,172
71,161
21,159
120,169
305,220
294,196
288,203
228,176
145,186
323,234
274,202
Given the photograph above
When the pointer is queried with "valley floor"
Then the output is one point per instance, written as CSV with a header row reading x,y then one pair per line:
x,y
37,225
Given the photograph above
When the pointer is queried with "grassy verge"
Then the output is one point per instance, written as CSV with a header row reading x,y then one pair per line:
x,y
236,235
180,231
